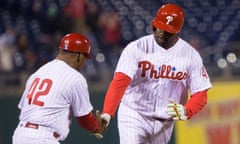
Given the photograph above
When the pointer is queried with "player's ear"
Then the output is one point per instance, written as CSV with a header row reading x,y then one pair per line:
x,y
154,29
78,57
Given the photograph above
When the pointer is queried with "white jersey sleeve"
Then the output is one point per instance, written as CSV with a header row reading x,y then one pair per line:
x,y
80,104
127,62
198,78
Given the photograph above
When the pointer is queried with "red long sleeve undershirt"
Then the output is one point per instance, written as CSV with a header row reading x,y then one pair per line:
x,y
121,81
89,122
196,102
115,92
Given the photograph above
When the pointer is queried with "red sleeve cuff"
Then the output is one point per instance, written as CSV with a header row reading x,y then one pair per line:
x,y
89,122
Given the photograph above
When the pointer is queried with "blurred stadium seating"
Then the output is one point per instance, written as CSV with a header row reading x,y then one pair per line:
x,y
213,27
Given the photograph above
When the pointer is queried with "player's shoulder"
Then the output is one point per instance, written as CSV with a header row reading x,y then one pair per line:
x,y
187,46
140,42
188,51
69,72
145,39
184,43
74,78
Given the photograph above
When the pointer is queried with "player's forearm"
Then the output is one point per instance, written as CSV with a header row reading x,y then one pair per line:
x,y
196,103
89,122
115,93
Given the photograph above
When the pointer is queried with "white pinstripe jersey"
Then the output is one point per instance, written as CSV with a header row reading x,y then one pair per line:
x,y
52,95
158,75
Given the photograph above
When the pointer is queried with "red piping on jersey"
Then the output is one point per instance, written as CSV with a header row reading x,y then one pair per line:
x,y
89,122
115,92
196,103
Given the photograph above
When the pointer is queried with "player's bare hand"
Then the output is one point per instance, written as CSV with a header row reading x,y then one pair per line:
x,y
176,111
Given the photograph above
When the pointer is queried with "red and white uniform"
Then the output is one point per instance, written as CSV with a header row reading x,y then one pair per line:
x,y
52,95
157,75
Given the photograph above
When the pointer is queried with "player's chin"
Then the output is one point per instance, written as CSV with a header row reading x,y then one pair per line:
x,y
160,42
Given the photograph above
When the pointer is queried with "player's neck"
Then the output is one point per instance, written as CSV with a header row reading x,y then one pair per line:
x,y
170,43
68,59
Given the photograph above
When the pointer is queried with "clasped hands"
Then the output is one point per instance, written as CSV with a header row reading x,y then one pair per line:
x,y
176,111
104,120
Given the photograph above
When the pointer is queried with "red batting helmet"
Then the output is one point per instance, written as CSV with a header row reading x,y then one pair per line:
x,y
74,42
170,18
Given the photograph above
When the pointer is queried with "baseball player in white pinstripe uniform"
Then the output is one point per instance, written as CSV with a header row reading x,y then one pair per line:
x,y
152,80
55,93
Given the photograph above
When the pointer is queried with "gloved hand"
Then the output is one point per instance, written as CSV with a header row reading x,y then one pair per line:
x,y
176,111
103,126
106,118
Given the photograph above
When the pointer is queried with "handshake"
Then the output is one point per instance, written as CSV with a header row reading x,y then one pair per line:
x,y
104,120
